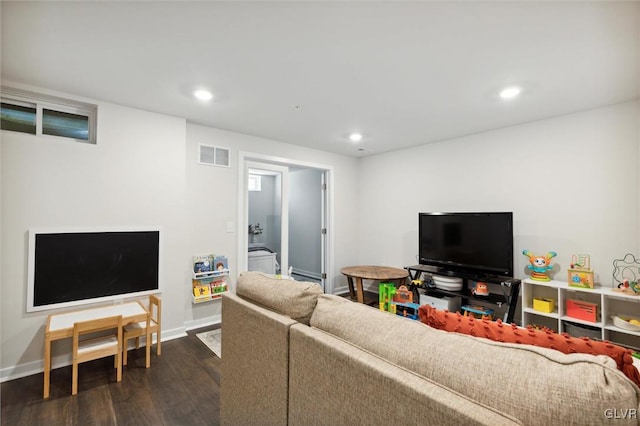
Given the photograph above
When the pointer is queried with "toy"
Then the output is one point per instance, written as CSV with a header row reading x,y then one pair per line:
x,y
403,295
626,272
540,265
476,310
385,296
629,287
580,274
408,310
481,289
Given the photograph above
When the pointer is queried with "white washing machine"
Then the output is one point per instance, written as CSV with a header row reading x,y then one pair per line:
x,y
262,261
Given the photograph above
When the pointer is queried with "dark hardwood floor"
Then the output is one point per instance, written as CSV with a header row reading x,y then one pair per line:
x,y
182,387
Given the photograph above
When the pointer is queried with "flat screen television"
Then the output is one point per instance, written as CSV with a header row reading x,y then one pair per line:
x,y
78,267
471,243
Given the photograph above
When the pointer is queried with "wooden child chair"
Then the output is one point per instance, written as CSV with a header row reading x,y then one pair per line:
x,y
138,329
97,347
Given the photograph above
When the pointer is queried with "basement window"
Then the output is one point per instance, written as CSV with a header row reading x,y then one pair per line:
x,y
255,183
36,114
18,117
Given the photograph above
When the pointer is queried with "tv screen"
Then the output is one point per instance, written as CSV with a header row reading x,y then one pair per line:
x,y
477,243
72,268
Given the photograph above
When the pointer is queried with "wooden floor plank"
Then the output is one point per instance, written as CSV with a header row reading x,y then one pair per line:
x,y
182,387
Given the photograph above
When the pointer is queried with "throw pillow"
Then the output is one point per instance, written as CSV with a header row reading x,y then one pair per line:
x,y
500,332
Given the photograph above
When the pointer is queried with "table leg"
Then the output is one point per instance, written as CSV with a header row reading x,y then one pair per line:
x,y
359,290
47,366
352,293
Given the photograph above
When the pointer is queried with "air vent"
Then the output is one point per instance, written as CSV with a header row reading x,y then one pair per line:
x,y
213,155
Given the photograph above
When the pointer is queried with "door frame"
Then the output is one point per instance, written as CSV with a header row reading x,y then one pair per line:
x,y
327,255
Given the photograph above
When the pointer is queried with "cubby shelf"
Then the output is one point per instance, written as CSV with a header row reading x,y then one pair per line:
x,y
609,303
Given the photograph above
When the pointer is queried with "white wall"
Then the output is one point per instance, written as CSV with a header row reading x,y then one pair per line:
x,y
572,183
134,176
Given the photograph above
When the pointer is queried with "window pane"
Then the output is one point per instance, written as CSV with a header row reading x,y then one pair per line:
x,y
222,157
58,123
18,118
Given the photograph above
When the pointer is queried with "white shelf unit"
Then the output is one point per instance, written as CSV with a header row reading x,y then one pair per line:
x,y
206,279
609,303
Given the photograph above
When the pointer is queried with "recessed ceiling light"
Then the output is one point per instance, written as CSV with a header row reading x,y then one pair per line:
x,y
510,92
203,95
355,137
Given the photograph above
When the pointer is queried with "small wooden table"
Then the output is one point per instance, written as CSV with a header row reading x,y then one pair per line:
x,y
60,326
382,273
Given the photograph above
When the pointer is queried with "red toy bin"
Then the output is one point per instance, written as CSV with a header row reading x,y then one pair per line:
x,y
582,310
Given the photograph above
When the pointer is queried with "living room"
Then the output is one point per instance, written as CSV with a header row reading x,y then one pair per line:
x,y
571,179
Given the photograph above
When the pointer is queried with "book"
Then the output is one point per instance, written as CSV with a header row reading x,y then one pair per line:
x,y
220,263
203,263
201,290
218,287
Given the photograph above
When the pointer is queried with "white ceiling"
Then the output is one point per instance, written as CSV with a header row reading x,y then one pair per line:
x,y
309,73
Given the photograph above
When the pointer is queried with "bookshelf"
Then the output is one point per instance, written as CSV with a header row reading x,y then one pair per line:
x,y
209,279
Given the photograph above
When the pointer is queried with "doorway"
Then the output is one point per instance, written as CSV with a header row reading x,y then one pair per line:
x,y
284,217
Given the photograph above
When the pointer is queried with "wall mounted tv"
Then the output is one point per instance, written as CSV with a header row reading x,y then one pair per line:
x,y
472,243
79,267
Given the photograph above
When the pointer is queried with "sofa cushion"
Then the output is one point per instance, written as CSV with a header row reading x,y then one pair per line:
x,y
496,330
295,299
332,382
536,385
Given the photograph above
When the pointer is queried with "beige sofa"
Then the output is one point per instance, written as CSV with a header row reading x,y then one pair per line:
x,y
292,355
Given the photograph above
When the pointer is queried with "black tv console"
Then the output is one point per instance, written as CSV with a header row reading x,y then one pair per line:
x,y
509,296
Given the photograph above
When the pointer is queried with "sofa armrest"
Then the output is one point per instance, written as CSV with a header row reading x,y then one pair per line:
x,y
255,364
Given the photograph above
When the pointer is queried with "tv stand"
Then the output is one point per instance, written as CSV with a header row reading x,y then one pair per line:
x,y
509,286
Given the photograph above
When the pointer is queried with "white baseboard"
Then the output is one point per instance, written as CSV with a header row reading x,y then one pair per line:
x,y
203,322
36,367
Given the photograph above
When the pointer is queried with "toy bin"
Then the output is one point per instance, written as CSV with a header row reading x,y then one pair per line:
x,y
543,305
582,310
580,330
